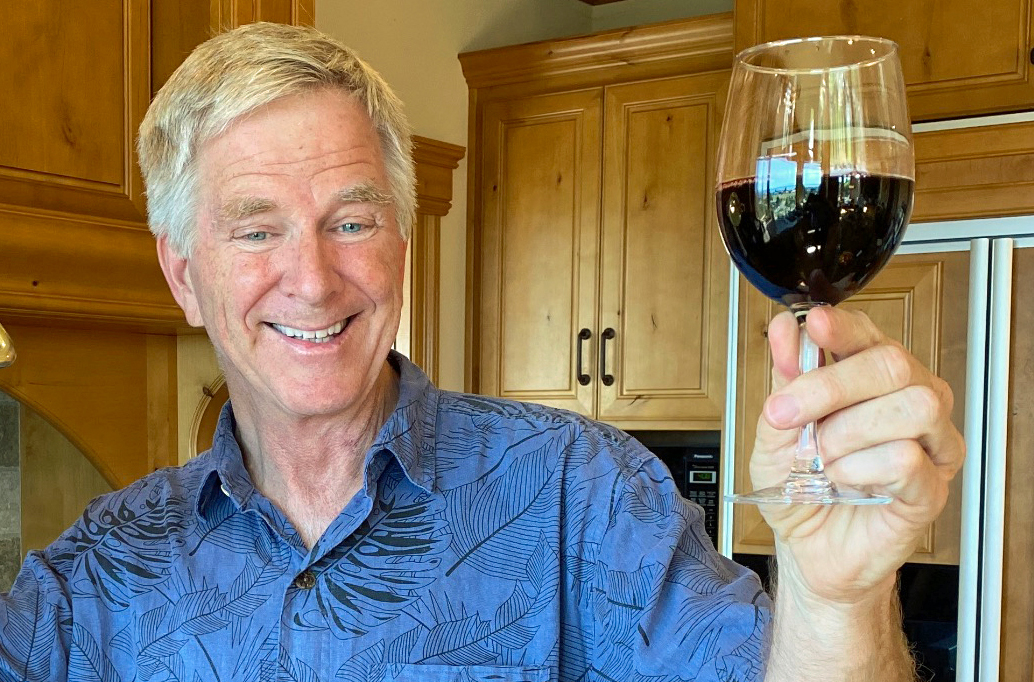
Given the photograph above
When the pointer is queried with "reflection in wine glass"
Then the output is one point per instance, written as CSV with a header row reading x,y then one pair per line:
x,y
7,354
814,191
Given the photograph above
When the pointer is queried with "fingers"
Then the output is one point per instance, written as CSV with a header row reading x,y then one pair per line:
x,y
901,469
867,374
917,413
843,332
876,395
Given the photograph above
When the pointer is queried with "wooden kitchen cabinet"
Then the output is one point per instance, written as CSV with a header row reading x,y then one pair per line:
x,y
960,57
664,275
919,300
592,227
540,231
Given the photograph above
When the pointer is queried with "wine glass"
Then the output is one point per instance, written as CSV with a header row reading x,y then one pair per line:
x,y
814,191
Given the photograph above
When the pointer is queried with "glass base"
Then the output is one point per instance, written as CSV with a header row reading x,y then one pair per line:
x,y
792,492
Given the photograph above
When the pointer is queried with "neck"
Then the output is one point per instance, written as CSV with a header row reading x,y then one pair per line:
x,y
311,466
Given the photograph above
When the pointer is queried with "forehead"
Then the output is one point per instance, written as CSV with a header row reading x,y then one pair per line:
x,y
324,137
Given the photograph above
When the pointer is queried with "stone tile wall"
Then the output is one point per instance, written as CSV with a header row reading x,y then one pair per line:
x,y
10,493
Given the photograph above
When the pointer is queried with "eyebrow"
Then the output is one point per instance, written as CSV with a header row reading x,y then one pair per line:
x,y
363,193
240,208
244,207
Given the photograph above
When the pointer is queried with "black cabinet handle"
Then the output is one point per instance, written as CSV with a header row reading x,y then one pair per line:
x,y
583,336
608,334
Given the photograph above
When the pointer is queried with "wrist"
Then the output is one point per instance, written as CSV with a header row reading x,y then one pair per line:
x,y
848,597
836,621
848,636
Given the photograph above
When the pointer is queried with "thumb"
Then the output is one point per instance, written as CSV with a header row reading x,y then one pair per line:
x,y
784,341
773,447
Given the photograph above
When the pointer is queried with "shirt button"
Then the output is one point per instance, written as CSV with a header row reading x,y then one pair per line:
x,y
305,580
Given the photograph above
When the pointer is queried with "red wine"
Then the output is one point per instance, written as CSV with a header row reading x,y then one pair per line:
x,y
817,240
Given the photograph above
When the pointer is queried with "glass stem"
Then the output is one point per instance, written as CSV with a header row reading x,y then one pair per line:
x,y
806,474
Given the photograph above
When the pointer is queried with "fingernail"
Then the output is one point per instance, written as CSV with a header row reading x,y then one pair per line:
x,y
782,408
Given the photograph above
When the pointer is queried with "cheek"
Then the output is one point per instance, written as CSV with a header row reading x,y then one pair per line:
x,y
240,284
384,273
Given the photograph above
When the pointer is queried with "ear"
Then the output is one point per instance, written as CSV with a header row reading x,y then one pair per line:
x,y
177,274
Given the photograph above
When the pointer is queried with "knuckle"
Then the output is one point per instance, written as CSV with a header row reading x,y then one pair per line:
x,y
906,459
943,388
859,316
865,323
924,404
896,364
963,451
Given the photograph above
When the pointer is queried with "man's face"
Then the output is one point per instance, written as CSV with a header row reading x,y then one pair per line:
x,y
297,273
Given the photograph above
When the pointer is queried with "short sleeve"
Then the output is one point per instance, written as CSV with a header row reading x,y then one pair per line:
x,y
667,605
35,625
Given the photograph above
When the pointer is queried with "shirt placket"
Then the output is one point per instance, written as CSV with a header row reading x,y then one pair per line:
x,y
299,593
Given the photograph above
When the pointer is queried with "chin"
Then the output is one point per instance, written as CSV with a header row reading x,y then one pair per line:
x,y
323,401
318,405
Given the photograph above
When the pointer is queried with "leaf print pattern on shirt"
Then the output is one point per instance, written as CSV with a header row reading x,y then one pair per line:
x,y
30,632
295,670
88,662
384,566
123,551
498,519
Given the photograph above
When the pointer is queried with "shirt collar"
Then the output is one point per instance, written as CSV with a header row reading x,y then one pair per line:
x,y
409,435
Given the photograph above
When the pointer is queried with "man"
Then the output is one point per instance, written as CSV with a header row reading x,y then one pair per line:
x,y
353,522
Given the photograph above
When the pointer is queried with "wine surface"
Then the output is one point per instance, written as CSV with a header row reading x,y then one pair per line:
x,y
813,238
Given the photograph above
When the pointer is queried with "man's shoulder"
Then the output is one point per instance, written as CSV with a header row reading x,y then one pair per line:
x,y
469,407
503,422
168,486
152,511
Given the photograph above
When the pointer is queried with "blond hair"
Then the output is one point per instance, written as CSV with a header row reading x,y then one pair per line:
x,y
234,74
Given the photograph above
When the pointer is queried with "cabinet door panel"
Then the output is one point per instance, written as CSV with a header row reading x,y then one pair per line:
x,y
75,87
1017,663
539,269
664,273
919,300
960,57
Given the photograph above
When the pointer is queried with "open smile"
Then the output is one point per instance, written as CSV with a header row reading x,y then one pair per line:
x,y
325,335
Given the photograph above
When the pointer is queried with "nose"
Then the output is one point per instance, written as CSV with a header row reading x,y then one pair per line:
x,y
310,273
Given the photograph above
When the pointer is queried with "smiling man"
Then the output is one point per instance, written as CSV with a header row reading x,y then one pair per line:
x,y
297,277
351,521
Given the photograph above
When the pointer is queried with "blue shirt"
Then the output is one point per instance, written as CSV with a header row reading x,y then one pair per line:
x,y
492,540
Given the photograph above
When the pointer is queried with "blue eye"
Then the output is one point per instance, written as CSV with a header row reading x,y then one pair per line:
x,y
351,228
256,236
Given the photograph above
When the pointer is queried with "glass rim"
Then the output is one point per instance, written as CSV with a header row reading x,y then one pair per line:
x,y
741,60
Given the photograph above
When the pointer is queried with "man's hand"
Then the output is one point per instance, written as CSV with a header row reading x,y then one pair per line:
x,y
884,425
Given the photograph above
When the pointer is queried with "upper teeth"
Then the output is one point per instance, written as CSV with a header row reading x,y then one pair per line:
x,y
313,335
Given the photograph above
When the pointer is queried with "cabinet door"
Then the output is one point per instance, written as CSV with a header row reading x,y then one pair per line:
x,y
919,300
664,278
1017,658
960,57
540,197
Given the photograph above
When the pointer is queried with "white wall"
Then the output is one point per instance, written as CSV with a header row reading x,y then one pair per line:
x,y
635,12
414,44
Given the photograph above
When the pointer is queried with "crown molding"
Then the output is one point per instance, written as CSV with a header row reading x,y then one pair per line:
x,y
695,44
